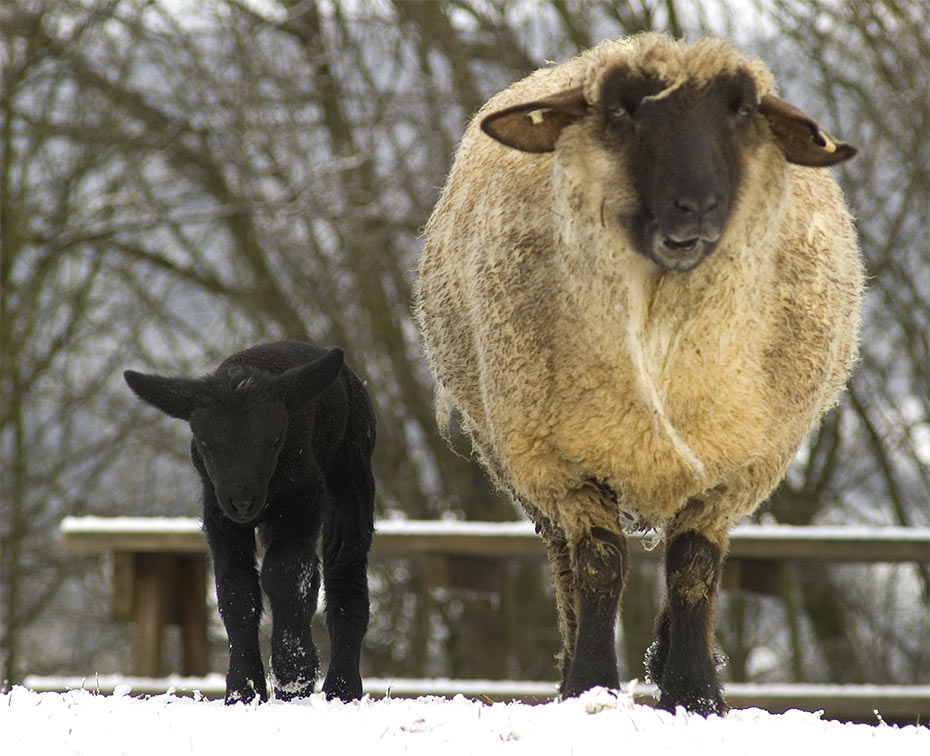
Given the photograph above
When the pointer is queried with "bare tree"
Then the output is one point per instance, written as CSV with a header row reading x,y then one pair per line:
x,y
176,186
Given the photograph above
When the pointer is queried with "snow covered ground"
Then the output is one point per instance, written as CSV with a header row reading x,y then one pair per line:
x,y
82,722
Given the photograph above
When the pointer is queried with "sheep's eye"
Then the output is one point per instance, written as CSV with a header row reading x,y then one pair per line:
x,y
623,93
626,108
631,105
742,107
617,112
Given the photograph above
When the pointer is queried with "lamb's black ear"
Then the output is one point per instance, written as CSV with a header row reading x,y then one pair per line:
x,y
536,126
301,384
800,138
177,397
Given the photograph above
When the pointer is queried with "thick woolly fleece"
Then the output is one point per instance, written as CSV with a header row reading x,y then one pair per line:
x,y
573,359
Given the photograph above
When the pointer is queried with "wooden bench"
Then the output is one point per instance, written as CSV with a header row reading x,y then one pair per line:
x,y
159,571
160,565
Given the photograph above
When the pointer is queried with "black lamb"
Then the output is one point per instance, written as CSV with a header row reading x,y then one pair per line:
x,y
283,435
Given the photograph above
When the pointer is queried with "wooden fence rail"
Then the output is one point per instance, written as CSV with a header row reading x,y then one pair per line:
x,y
160,568
406,538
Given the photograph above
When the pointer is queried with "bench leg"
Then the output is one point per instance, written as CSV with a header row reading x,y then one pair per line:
x,y
152,579
192,588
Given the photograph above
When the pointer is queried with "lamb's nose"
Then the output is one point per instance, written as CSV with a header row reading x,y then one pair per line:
x,y
242,507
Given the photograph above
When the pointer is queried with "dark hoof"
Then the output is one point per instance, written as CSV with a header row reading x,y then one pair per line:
x,y
292,691
577,681
246,692
705,705
343,687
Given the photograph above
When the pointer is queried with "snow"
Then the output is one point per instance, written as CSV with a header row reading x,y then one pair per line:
x,y
82,722
94,524
883,698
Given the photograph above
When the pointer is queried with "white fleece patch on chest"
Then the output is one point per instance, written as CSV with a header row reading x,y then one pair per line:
x,y
651,345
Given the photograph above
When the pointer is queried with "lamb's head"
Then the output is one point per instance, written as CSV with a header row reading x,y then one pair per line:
x,y
239,419
677,122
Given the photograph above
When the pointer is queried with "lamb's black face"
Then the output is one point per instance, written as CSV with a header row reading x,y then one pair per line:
x,y
681,147
239,450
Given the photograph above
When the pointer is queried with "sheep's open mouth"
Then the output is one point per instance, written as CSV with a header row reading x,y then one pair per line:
x,y
679,256
682,246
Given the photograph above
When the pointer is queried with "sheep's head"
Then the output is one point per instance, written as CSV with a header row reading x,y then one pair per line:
x,y
239,420
682,143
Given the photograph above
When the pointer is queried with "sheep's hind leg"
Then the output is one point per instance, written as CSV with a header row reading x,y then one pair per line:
x,y
599,564
681,661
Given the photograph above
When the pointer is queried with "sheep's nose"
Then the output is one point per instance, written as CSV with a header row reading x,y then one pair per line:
x,y
697,206
695,215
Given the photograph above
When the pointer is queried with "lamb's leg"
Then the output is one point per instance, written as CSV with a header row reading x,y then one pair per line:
x,y
291,580
682,662
346,541
239,598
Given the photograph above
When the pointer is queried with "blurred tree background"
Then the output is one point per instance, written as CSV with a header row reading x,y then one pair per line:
x,y
181,180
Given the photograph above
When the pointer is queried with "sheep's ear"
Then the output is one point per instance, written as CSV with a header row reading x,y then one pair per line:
x,y
301,384
800,138
535,126
177,397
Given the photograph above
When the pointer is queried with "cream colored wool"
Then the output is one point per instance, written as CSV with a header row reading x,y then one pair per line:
x,y
572,358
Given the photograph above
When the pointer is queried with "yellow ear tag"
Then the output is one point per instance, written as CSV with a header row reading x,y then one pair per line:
x,y
828,144
537,116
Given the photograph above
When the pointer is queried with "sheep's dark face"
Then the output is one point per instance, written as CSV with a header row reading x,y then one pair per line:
x,y
682,149
239,448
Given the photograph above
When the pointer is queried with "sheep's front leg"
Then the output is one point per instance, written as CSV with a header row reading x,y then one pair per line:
x,y
681,661
563,580
291,580
239,598
599,564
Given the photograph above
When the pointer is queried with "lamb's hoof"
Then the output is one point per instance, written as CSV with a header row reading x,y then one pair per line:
x,y
293,690
246,691
343,687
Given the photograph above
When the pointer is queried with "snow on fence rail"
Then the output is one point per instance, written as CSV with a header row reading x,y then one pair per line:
x,y
404,538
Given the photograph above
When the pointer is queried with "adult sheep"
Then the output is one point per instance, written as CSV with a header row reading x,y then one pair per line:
x,y
283,435
640,290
